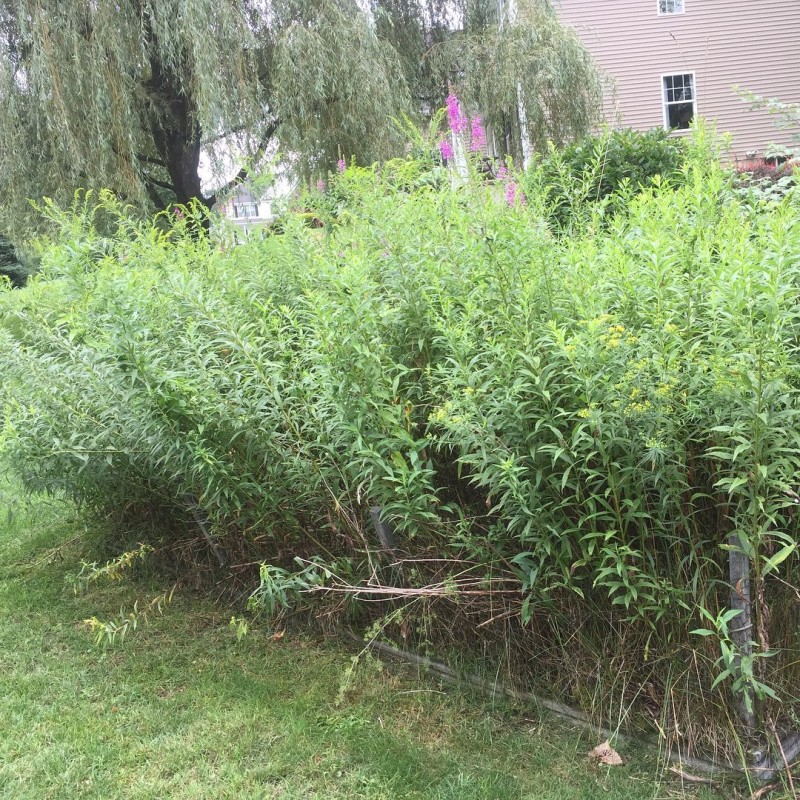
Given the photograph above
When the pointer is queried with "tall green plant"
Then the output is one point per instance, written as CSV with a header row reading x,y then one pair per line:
x,y
598,421
605,170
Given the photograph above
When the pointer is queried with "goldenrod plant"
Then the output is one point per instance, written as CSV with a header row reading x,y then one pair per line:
x,y
572,435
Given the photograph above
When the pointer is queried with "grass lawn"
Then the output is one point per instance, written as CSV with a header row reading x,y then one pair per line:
x,y
183,710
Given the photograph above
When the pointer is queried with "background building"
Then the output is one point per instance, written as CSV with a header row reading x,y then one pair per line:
x,y
673,60
247,211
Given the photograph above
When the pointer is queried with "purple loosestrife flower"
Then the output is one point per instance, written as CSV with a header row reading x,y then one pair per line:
x,y
321,186
511,193
458,122
446,150
502,173
478,135
514,196
341,165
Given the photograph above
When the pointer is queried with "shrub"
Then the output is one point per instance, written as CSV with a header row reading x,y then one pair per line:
x,y
607,169
765,182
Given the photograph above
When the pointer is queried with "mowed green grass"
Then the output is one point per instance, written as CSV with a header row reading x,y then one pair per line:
x,y
183,710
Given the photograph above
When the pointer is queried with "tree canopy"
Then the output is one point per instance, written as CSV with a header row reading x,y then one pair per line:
x,y
125,94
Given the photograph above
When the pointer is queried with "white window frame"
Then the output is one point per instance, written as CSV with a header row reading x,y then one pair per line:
x,y
665,104
244,208
670,13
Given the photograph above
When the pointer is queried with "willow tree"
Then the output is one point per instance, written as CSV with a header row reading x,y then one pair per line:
x,y
126,94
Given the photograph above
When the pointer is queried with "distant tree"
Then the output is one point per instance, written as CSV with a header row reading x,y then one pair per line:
x,y
125,94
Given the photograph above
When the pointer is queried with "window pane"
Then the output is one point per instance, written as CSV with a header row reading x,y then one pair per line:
x,y
243,210
679,115
670,6
678,88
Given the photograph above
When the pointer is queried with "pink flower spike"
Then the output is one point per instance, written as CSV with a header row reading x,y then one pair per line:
x,y
478,135
321,186
341,165
511,193
178,212
502,173
446,149
458,122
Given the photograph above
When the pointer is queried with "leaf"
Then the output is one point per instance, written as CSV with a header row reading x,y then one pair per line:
x,y
721,677
605,754
779,557
768,691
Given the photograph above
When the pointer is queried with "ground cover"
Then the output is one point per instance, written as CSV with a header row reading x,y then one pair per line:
x,y
184,710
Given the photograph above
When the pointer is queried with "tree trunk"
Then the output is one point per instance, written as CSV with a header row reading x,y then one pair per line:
x,y
173,122
176,134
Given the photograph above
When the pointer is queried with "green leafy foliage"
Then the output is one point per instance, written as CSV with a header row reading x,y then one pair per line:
x,y
765,183
183,711
608,168
10,265
112,570
279,589
127,96
733,665
787,115
114,630
591,420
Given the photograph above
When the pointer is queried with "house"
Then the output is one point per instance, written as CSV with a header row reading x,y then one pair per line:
x,y
248,211
674,60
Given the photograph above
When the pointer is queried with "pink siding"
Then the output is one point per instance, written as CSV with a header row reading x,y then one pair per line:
x,y
752,43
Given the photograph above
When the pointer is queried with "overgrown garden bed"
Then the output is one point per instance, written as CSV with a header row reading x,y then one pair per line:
x,y
570,434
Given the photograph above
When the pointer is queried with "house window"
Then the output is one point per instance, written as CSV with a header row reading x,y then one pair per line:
x,y
670,6
679,101
245,210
